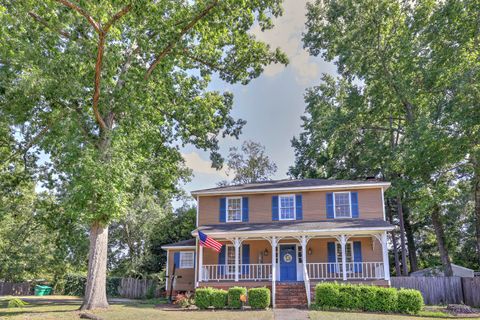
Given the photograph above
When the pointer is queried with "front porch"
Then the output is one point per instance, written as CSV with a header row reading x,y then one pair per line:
x,y
309,257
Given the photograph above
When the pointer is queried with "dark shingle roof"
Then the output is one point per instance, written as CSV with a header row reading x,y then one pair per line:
x,y
297,226
286,184
183,243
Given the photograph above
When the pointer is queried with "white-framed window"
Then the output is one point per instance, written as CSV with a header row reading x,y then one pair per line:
x,y
230,258
187,260
286,205
234,209
342,205
348,254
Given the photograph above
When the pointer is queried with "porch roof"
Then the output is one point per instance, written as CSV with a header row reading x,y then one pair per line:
x,y
184,244
298,227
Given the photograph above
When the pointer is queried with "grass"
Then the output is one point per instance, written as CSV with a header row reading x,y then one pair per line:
x,y
423,315
142,309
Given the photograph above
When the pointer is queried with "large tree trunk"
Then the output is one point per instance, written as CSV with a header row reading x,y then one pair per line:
x,y
394,240
439,233
95,291
476,191
412,250
403,248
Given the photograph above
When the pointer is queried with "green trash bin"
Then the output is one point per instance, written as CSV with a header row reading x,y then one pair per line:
x,y
43,290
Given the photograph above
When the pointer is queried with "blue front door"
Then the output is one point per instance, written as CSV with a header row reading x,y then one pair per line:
x,y
288,263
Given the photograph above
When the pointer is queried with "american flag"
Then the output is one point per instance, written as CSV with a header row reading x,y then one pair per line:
x,y
208,242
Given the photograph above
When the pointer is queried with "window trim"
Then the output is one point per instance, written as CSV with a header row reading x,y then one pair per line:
x,y
240,256
280,207
226,209
349,205
337,243
180,260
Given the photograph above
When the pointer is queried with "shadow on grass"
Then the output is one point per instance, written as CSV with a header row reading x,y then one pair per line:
x,y
37,309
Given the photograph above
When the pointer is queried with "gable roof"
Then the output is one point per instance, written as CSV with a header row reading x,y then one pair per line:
x,y
180,244
292,185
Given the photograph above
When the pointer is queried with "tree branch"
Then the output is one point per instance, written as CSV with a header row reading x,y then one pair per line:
x,y
189,55
172,44
98,75
116,17
83,12
43,22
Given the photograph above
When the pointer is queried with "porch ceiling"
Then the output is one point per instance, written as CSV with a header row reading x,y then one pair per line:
x,y
338,226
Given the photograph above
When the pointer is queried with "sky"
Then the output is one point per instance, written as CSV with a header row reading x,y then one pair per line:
x,y
271,104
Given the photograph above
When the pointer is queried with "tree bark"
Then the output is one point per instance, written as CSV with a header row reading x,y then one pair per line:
x,y
412,250
394,240
439,233
95,291
402,236
476,192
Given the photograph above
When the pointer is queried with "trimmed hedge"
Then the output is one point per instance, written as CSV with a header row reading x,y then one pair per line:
x,y
234,294
259,298
409,301
203,297
219,298
367,298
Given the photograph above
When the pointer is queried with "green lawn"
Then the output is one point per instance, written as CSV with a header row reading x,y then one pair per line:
x,y
327,315
68,310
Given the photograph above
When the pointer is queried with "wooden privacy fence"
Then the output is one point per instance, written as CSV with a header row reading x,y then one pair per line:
x,y
443,290
128,288
15,289
136,288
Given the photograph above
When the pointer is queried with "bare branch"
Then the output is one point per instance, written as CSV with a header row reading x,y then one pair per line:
x,y
98,75
43,22
116,17
172,44
83,12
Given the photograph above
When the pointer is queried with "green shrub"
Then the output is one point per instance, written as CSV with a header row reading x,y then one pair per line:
x,y
350,297
203,297
234,294
16,303
151,291
259,298
326,295
368,296
386,299
219,298
113,283
75,285
409,301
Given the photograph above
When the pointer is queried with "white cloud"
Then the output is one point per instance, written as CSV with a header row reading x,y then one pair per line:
x,y
201,166
287,34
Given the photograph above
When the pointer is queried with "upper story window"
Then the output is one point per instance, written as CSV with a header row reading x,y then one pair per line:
x,y
343,208
187,260
287,207
234,209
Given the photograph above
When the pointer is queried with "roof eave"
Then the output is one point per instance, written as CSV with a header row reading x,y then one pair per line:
x,y
384,185
177,247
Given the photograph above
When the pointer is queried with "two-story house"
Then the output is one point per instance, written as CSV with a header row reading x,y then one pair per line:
x,y
286,234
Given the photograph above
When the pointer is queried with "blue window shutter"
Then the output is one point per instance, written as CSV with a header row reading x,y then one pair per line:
x,y
245,209
331,256
245,258
275,208
223,209
357,255
330,214
354,203
221,260
298,205
176,260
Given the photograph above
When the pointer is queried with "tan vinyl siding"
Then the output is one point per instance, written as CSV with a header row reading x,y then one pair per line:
x,y
313,203
187,280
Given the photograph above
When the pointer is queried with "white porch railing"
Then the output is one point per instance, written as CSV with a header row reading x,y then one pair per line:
x,y
253,272
324,270
355,270
365,270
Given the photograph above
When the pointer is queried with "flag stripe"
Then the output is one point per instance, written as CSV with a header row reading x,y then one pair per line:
x,y
208,242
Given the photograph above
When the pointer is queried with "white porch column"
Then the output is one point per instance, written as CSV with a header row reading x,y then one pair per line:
x,y
200,263
343,242
274,243
303,241
236,244
386,264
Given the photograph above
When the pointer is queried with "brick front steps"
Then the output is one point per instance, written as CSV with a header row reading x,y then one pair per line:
x,y
290,295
